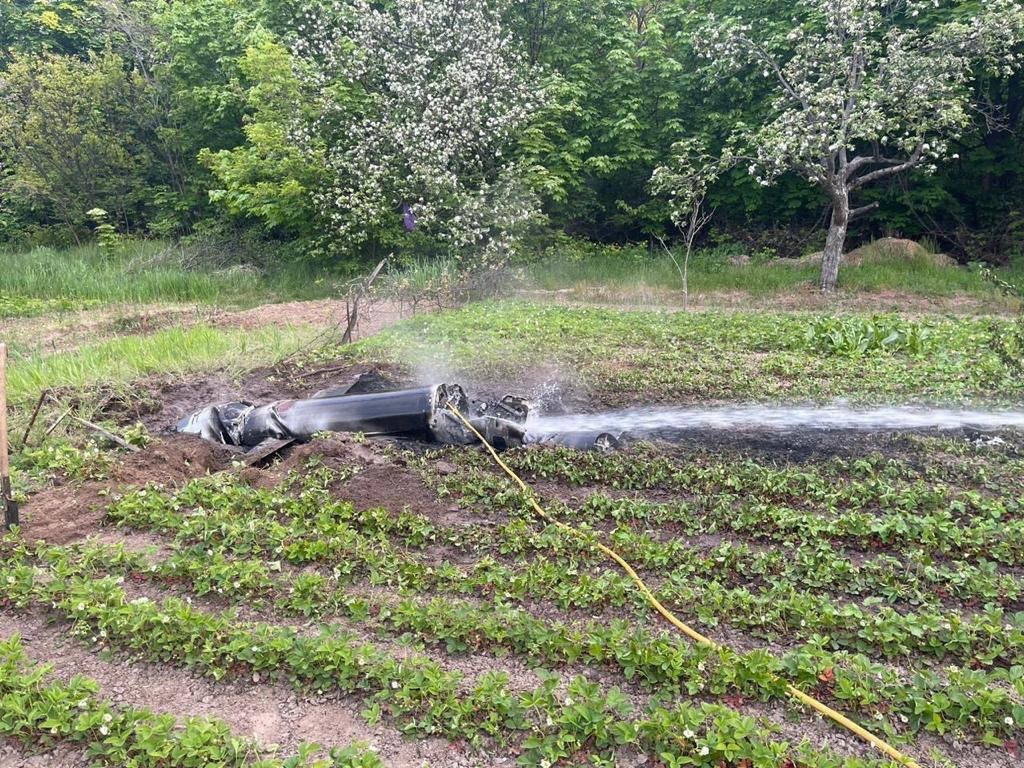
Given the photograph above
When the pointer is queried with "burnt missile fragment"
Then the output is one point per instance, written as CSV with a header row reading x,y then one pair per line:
x,y
424,413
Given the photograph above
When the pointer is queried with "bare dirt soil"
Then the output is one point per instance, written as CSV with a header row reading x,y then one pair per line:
x,y
372,316
808,299
71,511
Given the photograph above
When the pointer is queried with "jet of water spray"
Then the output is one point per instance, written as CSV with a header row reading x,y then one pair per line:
x,y
661,422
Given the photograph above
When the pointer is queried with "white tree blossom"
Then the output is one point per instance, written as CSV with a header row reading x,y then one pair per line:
x,y
425,101
861,91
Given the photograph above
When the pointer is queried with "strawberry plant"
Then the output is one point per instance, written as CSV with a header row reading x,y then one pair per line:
x,y
37,711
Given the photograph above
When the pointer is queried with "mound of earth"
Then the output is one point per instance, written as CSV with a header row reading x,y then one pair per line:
x,y
71,511
883,249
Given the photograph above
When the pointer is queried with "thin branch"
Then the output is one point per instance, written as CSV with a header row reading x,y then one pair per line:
x,y
761,53
892,170
107,434
862,210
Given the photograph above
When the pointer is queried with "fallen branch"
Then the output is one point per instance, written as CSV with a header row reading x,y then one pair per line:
x,y
57,422
109,435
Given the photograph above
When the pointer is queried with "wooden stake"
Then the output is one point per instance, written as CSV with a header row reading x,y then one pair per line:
x,y
35,415
10,508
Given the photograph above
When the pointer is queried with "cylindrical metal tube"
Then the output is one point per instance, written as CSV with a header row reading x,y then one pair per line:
x,y
425,413
382,413
411,412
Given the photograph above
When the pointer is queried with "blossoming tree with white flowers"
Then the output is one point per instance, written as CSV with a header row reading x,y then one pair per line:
x,y
436,94
861,93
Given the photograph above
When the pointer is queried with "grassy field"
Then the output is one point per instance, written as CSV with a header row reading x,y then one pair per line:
x,y
122,360
711,272
362,603
45,281
146,272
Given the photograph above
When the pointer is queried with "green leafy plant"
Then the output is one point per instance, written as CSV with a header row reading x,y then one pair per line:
x,y
107,236
37,711
856,336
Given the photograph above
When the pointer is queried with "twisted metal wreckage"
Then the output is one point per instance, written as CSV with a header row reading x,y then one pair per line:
x,y
424,413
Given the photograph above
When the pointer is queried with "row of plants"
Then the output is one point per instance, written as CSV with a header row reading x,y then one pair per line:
x,y
815,564
314,520
850,485
962,701
992,636
944,531
585,724
41,713
915,579
811,554
935,533
924,702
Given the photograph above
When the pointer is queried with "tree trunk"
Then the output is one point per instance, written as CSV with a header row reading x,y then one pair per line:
x,y
834,243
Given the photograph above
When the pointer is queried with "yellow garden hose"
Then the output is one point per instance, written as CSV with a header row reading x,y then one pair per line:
x,y
674,620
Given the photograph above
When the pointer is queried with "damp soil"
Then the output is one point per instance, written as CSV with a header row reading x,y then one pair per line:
x,y
371,474
70,511
159,402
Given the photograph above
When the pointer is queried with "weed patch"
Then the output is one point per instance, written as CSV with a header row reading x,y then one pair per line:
x,y
625,357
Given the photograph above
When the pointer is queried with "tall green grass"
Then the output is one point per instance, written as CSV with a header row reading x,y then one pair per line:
x,y
622,270
145,272
711,273
919,275
125,359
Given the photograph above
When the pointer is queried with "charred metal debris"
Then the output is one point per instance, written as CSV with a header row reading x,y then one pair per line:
x,y
423,413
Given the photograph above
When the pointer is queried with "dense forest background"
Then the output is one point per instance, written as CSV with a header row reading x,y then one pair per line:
x,y
185,118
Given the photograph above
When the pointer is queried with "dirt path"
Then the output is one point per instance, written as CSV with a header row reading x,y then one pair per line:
x,y
326,313
801,300
14,754
67,331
